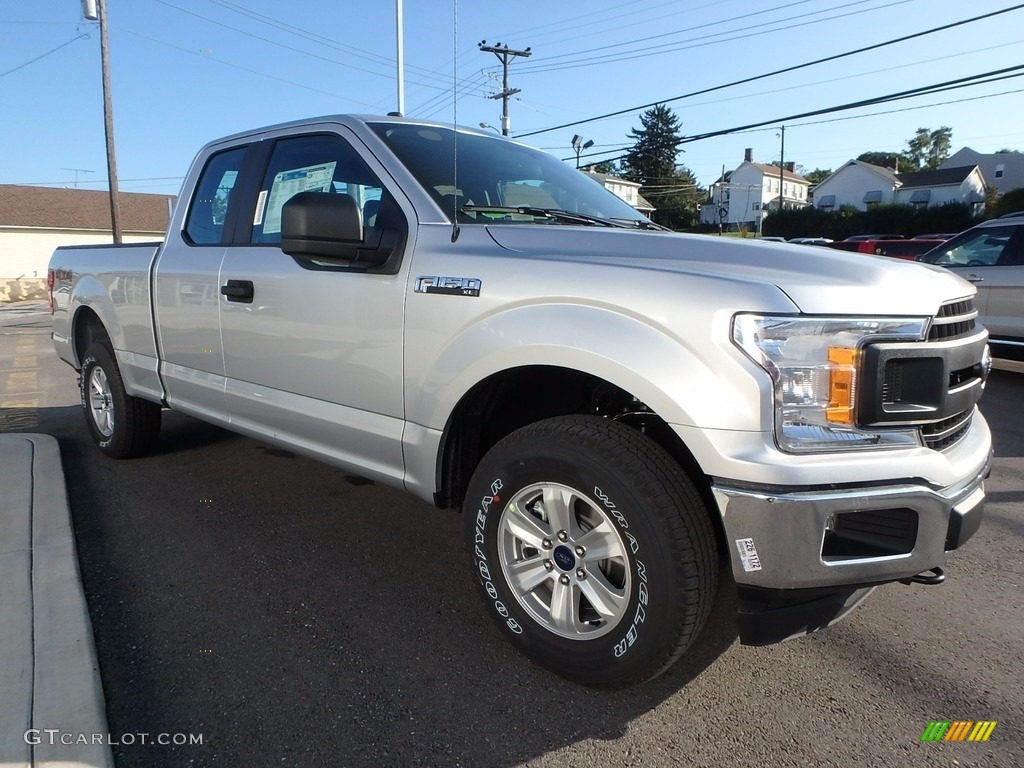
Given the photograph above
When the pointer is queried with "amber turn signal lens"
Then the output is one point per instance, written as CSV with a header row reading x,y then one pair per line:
x,y
842,380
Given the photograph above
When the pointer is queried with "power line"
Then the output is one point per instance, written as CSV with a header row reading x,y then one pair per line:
x,y
773,73
208,57
81,36
832,80
948,85
908,109
322,40
576,23
547,66
290,47
617,147
84,181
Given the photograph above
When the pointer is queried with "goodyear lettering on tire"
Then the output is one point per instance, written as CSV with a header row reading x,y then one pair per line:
x,y
481,558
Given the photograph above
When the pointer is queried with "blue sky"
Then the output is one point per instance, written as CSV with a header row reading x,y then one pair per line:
x,y
188,71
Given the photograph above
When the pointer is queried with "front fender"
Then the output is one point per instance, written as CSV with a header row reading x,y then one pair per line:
x,y
699,380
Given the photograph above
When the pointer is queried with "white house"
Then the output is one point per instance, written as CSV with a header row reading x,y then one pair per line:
x,y
863,185
963,184
35,220
623,189
1002,171
744,196
858,184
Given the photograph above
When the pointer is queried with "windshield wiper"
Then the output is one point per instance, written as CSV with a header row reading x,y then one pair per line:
x,y
548,213
645,224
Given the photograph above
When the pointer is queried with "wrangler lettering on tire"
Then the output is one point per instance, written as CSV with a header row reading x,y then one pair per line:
x,y
592,548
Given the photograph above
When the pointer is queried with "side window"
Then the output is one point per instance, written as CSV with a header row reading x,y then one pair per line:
x,y
319,163
982,248
209,208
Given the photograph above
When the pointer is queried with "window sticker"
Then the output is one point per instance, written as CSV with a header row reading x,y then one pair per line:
x,y
287,184
260,204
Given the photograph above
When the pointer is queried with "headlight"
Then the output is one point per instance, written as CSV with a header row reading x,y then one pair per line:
x,y
815,364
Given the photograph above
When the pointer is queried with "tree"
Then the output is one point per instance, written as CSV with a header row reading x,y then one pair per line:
x,y
655,146
929,149
670,188
818,175
677,200
881,159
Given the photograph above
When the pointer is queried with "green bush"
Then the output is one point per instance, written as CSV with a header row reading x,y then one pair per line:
x,y
882,219
1009,202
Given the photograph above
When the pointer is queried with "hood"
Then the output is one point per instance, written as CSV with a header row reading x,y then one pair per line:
x,y
817,279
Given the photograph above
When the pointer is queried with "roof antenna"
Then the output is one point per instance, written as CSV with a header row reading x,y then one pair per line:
x,y
455,122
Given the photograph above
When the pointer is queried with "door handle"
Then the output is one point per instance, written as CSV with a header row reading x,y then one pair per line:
x,y
238,290
975,279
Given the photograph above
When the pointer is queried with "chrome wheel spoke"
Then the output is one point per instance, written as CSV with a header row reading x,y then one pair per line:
x,y
565,608
559,502
524,526
600,543
526,575
606,599
101,402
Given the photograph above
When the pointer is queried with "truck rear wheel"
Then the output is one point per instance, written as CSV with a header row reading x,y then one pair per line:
x,y
592,548
121,425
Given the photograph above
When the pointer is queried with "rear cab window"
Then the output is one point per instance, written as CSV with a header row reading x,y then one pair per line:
x,y
208,211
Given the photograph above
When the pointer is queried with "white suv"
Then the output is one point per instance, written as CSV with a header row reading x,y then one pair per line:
x,y
991,255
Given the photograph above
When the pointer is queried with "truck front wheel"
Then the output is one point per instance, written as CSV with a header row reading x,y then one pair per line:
x,y
592,548
121,425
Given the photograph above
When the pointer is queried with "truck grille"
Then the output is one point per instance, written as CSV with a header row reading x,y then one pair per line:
x,y
947,432
932,385
955,319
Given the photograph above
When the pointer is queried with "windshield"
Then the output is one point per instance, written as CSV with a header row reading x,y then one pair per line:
x,y
495,173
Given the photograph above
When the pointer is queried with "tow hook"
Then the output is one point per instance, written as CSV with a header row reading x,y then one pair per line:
x,y
931,577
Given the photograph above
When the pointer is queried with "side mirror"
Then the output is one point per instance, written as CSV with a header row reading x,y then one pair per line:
x,y
321,225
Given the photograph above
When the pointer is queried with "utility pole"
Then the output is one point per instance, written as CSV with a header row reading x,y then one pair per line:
x,y
505,55
93,10
400,55
782,166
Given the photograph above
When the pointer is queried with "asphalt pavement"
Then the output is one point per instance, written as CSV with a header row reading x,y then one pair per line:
x,y
251,607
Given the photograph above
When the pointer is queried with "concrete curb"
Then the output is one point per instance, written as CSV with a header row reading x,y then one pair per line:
x,y
49,675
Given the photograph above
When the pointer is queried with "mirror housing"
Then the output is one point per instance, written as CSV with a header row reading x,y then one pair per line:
x,y
320,225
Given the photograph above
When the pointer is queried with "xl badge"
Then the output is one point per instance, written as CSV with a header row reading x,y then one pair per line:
x,y
451,286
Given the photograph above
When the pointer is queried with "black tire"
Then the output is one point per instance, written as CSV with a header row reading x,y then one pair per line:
x,y
122,426
625,495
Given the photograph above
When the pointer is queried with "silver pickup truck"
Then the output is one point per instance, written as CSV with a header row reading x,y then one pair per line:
x,y
616,409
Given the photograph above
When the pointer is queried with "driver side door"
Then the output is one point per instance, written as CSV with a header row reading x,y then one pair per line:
x,y
313,352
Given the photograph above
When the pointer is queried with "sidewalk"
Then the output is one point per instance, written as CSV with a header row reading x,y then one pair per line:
x,y
49,677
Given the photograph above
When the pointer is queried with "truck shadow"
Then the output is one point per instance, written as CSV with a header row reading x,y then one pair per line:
x,y
293,617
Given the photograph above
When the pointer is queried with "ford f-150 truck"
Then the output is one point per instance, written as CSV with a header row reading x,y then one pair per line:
x,y
617,409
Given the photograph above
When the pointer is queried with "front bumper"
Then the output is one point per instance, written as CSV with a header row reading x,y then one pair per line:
x,y
799,567
808,539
